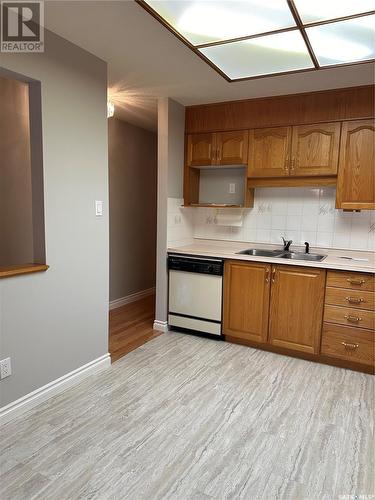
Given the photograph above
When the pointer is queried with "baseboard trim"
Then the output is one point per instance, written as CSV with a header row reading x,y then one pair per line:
x,y
160,326
34,398
131,298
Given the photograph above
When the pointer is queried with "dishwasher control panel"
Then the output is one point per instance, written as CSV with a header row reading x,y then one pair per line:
x,y
199,265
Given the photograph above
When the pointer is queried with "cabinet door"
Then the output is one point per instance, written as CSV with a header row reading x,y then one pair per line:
x,y
246,300
356,177
297,297
200,149
269,152
232,147
315,149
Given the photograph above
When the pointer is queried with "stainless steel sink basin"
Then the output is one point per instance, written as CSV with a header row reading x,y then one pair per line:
x,y
259,252
303,256
262,252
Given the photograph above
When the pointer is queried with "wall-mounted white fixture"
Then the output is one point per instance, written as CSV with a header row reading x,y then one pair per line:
x,y
110,109
98,208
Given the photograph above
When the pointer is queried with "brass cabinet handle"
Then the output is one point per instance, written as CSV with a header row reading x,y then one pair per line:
x,y
292,163
354,300
353,319
267,275
218,154
273,274
286,166
355,281
350,347
213,154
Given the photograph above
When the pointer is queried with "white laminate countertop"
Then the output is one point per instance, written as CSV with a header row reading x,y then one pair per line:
x,y
229,249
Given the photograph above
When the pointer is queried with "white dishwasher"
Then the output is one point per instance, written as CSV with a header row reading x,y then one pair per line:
x,y
195,294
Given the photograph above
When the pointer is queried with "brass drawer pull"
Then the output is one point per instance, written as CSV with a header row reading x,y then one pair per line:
x,y
353,319
273,274
355,282
354,300
350,347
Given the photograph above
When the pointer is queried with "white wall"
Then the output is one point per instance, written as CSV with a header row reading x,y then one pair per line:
x,y
52,323
300,214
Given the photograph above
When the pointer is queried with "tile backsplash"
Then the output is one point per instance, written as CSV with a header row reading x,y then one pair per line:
x,y
180,225
299,214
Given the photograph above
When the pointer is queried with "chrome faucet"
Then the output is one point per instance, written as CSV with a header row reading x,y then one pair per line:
x,y
287,244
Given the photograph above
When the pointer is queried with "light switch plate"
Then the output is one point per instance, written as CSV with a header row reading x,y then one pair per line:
x,y
98,208
232,187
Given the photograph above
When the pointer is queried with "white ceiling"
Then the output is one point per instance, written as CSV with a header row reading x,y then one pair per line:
x,y
145,61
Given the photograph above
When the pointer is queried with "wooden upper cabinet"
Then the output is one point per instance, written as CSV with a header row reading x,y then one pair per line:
x,y
297,298
200,149
246,300
221,148
356,176
269,150
232,147
315,149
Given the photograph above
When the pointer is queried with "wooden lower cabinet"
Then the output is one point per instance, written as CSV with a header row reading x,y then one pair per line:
x,y
349,319
297,299
246,300
281,308
349,344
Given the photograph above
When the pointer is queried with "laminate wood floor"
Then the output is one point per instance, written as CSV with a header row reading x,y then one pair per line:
x,y
184,417
130,326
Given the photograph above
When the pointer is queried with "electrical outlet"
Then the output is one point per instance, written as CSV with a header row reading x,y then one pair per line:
x,y
5,368
232,188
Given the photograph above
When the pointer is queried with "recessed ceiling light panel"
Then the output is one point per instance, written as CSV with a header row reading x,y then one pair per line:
x,y
347,41
206,21
243,39
312,11
278,53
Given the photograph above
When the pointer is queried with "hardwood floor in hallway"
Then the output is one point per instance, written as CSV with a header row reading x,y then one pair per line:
x,y
130,326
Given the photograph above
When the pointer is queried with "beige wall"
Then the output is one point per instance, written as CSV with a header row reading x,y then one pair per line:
x,y
54,322
16,224
132,215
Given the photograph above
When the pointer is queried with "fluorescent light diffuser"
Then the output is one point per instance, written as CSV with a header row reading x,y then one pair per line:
x,y
252,38
344,41
206,21
268,54
312,11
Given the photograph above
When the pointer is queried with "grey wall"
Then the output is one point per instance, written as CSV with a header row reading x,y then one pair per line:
x,y
51,323
214,185
171,124
16,217
132,197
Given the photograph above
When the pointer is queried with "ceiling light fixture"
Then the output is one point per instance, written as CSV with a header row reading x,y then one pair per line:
x,y
246,39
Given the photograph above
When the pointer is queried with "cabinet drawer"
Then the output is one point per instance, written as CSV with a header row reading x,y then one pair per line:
x,y
351,280
357,299
347,343
349,316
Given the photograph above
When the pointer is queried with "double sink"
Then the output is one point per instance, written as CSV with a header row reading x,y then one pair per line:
x,y
282,254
